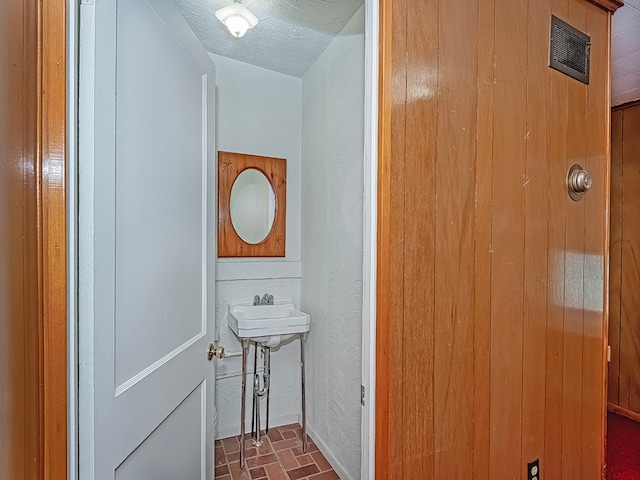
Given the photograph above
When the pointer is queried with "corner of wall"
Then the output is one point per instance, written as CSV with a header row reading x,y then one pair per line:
x,y
332,244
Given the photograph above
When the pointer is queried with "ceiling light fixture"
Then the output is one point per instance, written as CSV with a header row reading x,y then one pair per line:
x,y
237,18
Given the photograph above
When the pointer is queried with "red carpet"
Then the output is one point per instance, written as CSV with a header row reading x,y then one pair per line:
x,y
623,448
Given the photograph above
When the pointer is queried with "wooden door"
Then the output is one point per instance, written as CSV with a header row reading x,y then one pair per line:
x,y
147,247
33,414
491,280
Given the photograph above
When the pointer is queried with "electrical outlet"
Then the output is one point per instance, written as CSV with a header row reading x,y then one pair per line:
x,y
533,470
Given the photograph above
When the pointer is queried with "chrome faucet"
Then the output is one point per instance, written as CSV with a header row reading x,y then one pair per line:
x,y
265,300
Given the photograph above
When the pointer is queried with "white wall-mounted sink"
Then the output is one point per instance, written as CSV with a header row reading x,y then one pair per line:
x,y
268,324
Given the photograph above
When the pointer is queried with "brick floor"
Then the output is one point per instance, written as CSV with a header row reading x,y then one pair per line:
x,y
279,458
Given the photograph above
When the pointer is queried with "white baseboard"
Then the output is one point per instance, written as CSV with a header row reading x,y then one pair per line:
x,y
226,431
337,466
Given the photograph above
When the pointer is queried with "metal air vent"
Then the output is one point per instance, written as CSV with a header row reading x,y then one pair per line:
x,y
570,50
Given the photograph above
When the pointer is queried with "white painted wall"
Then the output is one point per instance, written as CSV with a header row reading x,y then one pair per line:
x,y
332,239
259,112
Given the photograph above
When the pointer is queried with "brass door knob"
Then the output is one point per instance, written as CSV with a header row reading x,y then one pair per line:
x,y
578,182
214,351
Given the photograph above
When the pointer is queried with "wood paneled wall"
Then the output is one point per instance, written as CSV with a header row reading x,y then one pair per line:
x,y
624,319
491,280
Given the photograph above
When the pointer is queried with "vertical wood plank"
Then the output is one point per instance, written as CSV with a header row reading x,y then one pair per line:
x,y
556,266
508,239
419,238
454,241
630,305
398,160
574,272
615,257
31,97
54,230
390,261
536,189
483,221
20,337
595,230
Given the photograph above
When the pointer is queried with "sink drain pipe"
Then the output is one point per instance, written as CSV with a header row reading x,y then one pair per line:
x,y
260,390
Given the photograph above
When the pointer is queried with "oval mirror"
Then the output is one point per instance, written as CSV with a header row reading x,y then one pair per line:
x,y
252,206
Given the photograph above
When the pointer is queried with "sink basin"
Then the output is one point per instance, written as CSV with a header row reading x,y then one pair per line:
x,y
268,324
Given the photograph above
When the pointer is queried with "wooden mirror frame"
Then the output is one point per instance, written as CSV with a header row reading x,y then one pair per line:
x,y
230,244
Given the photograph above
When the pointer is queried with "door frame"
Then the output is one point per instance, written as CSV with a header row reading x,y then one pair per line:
x,y
79,24
370,252
34,316
72,39
51,175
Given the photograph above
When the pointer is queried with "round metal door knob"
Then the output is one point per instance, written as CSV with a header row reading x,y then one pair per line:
x,y
578,182
214,350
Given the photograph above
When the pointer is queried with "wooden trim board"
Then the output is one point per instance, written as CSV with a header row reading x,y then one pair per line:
x,y
609,5
33,276
623,412
53,231
625,105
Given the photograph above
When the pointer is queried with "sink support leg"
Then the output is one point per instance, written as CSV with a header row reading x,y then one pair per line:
x,y
266,430
245,347
303,341
253,408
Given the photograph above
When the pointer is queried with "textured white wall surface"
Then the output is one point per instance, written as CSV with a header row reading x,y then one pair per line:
x,y
259,112
332,238
290,35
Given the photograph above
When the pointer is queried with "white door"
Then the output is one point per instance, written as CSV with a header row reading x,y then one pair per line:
x,y
147,244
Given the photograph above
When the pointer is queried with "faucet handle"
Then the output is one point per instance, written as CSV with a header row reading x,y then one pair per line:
x,y
256,300
270,299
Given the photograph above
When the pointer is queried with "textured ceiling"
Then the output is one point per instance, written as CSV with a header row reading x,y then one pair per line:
x,y
289,37
625,53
